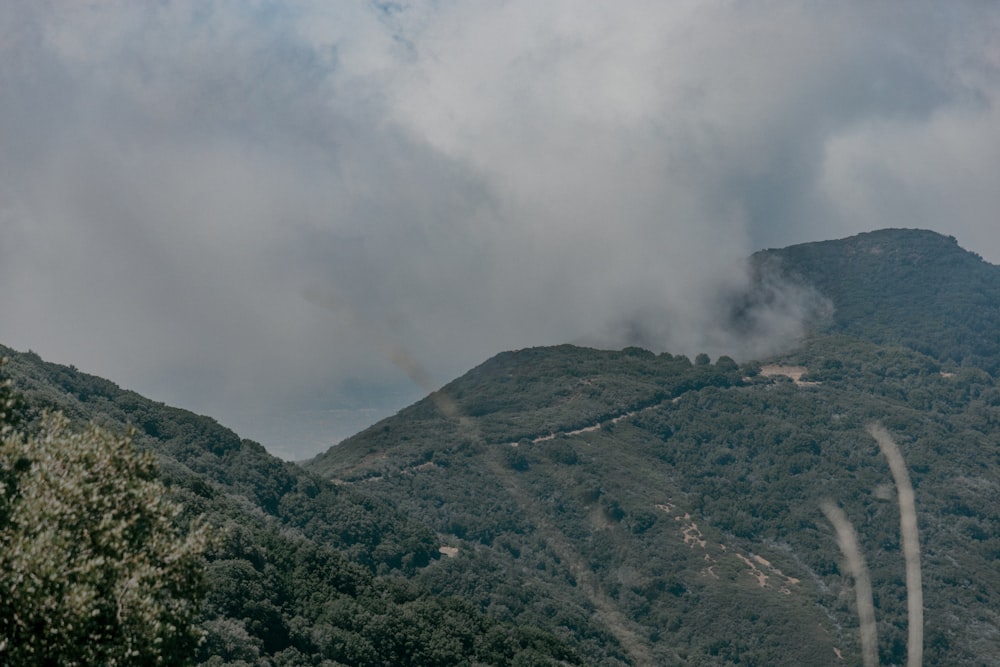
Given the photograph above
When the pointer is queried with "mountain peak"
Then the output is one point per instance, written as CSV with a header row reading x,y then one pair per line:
x,y
885,244
912,287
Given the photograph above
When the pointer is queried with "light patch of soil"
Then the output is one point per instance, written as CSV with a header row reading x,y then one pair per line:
x,y
795,373
883,492
710,568
763,577
552,436
754,570
760,568
597,518
450,552
593,427
585,429
689,531
692,535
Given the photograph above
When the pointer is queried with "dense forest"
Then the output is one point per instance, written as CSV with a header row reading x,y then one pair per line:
x,y
659,487
300,571
566,505
692,512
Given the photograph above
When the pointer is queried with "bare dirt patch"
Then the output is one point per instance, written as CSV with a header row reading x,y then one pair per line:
x,y
795,373
761,569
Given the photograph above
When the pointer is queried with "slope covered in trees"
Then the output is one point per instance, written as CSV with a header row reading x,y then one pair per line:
x,y
566,505
910,287
688,525
676,506
299,571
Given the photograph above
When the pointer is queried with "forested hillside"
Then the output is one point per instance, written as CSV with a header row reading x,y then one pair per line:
x,y
910,287
301,572
675,505
566,505
687,525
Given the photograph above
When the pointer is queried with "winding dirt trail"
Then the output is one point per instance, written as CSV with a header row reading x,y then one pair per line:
x,y
593,427
794,373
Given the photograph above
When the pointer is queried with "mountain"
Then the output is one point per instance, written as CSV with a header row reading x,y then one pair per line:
x,y
909,287
573,506
650,510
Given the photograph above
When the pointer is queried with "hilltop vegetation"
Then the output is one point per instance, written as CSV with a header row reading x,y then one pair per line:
x,y
908,287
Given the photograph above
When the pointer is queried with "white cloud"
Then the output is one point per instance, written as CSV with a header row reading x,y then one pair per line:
x,y
937,173
453,178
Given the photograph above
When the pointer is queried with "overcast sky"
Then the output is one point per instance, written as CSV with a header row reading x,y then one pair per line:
x,y
297,216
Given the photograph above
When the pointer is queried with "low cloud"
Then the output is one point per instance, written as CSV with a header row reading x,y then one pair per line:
x,y
180,180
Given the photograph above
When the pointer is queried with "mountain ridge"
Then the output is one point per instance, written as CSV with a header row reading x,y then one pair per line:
x,y
740,458
567,505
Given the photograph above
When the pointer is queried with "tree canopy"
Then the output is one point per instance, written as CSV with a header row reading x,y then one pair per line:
x,y
94,569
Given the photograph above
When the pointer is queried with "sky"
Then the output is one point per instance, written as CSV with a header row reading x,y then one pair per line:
x,y
298,216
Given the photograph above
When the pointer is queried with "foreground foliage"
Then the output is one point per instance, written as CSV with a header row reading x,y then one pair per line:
x,y
93,568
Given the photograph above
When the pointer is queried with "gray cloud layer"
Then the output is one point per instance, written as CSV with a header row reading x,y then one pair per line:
x,y
257,210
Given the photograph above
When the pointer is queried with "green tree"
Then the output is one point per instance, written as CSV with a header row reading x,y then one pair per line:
x,y
94,569
10,401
